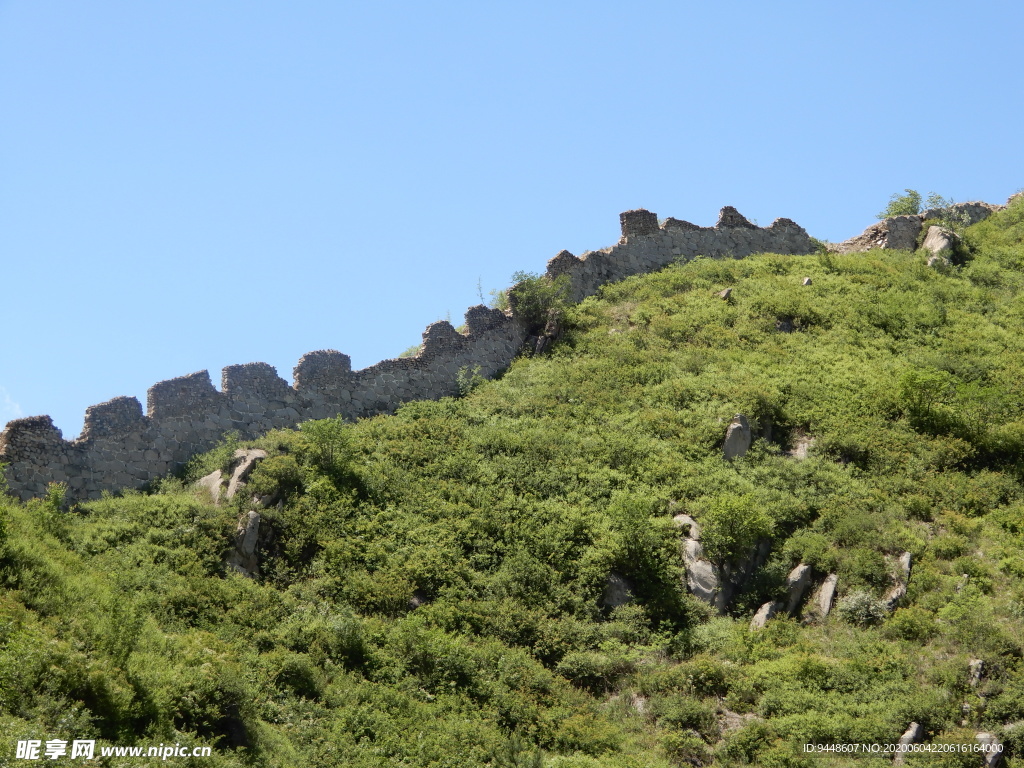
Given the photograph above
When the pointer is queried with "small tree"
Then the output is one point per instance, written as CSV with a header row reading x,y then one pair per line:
x,y
329,443
908,204
732,526
533,296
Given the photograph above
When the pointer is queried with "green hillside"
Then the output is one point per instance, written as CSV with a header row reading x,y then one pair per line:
x,y
431,582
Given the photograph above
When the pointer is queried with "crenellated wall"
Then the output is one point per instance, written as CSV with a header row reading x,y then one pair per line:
x,y
120,447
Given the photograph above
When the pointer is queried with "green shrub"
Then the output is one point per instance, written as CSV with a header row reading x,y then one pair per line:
x,y
902,205
861,608
746,744
911,624
534,296
412,351
862,567
685,750
732,526
681,712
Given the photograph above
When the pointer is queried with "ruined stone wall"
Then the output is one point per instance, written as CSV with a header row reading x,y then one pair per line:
x,y
901,232
647,246
120,447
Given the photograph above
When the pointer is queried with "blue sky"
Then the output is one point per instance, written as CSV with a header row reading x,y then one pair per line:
x,y
192,184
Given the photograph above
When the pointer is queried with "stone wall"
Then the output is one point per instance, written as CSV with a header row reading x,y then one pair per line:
x,y
120,447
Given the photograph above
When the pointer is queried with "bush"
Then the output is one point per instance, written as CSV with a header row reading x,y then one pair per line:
x,y
330,445
912,624
685,749
732,526
681,712
907,204
861,608
534,296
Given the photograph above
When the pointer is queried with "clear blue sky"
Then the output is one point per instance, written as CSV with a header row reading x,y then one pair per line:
x,y
191,184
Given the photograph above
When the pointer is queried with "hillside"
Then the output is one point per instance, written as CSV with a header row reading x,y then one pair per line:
x,y
498,578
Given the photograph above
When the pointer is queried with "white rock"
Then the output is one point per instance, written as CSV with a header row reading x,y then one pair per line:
x,y
826,593
796,585
244,463
910,736
737,437
939,240
248,533
764,613
975,667
213,483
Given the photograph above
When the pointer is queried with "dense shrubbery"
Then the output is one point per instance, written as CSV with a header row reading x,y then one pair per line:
x,y
431,582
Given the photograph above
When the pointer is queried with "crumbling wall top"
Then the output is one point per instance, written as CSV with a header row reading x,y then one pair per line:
x,y
112,418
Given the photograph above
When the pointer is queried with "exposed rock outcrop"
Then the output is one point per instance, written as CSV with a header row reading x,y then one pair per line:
x,y
993,754
820,604
975,669
213,483
901,578
702,577
940,241
912,735
243,557
689,526
244,462
901,232
618,590
737,437
898,232
796,584
764,613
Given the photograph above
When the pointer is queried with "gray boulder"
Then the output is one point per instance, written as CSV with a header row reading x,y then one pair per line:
x,y
993,754
213,483
617,591
822,600
243,557
940,241
975,668
912,735
737,437
243,464
901,578
796,584
765,612
702,577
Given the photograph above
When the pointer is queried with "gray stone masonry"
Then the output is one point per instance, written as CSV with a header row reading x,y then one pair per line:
x,y
900,232
120,447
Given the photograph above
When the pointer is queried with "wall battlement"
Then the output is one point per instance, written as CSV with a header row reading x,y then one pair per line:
x,y
120,447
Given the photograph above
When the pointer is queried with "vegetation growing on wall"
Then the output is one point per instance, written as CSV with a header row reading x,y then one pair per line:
x,y
432,583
